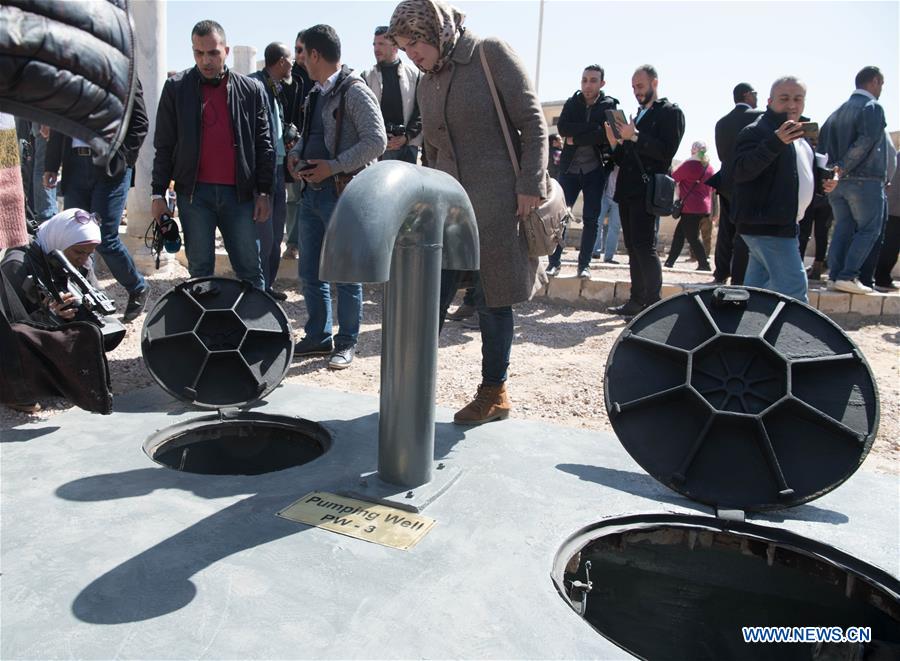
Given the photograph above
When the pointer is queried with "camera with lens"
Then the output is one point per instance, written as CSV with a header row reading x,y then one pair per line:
x,y
163,234
395,130
290,135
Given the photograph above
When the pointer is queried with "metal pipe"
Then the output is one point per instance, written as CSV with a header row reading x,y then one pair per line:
x,y
400,224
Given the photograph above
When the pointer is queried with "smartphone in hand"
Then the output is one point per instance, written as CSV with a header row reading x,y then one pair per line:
x,y
810,130
612,116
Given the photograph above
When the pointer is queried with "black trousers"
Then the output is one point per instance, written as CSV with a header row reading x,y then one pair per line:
x,y
688,227
887,258
639,232
731,251
817,221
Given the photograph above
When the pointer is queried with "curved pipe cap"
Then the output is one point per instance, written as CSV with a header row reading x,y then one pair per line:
x,y
395,203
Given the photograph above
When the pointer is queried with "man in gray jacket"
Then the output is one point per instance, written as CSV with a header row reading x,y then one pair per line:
x,y
343,132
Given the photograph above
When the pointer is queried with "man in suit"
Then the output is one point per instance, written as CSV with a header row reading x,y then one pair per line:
x,y
731,251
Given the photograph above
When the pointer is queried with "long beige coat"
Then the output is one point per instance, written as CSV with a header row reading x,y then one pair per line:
x,y
463,137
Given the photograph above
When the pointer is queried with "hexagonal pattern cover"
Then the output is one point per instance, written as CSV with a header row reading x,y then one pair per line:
x,y
217,342
741,398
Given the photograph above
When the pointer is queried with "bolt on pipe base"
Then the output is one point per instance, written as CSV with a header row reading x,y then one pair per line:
x,y
375,490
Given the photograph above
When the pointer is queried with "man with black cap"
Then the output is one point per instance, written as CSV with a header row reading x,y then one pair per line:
x,y
731,251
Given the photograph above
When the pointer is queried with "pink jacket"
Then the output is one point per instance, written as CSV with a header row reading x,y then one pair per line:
x,y
697,197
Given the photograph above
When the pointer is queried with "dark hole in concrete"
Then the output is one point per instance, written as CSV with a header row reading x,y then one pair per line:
x,y
673,592
243,444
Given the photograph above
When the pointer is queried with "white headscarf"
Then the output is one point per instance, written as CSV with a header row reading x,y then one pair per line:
x,y
63,230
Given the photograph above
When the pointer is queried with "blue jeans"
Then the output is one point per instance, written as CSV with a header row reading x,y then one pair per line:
x,y
591,186
858,206
271,232
608,235
867,270
775,264
496,325
44,198
312,221
216,205
87,188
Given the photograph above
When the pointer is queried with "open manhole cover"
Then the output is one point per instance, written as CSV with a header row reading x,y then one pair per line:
x,y
238,444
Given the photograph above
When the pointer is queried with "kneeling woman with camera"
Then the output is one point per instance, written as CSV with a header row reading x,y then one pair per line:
x,y
51,282
33,273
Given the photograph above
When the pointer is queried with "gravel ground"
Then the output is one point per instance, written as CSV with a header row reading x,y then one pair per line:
x,y
556,372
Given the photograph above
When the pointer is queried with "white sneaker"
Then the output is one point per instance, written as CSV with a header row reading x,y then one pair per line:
x,y
852,287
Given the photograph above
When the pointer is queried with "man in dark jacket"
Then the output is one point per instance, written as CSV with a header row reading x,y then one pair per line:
x,y
272,77
647,146
294,96
854,139
582,165
87,186
212,139
731,253
775,179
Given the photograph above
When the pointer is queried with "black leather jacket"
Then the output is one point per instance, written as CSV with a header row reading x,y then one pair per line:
x,y
584,131
59,147
178,133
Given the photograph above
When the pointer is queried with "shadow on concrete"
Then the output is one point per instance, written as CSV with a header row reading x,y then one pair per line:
x,y
645,486
23,435
158,581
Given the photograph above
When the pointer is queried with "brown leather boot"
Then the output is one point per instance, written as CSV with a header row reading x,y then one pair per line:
x,y
490,403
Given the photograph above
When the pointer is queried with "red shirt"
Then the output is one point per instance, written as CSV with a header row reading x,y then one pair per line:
x,y
217,137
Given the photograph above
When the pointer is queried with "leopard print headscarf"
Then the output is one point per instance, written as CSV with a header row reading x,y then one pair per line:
x,y
432,21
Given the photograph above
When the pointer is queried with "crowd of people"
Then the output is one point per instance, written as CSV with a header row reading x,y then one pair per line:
x,y
263,159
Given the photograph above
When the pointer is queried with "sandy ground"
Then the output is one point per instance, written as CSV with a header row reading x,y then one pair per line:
x,y
557,365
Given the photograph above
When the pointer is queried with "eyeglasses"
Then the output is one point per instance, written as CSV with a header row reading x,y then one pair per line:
x,y
298,49
83,218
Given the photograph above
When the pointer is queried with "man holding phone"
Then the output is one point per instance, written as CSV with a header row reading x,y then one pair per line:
x,y
775,176
645,146
343,132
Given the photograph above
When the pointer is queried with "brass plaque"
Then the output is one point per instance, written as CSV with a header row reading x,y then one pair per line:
x,y
357,518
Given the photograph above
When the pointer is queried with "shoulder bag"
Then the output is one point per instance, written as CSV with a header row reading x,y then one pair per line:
x,y
341,179
544,226
660,196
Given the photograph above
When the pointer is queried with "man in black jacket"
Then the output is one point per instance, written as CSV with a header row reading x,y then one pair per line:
x,y
775,177
731,252
294,97
212,138
88,187
582,165
647,146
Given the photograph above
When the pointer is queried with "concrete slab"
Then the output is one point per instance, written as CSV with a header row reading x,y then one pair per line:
x,y
867,304
599,291
834,302
891,307
670,290
623,291
105,554
564,288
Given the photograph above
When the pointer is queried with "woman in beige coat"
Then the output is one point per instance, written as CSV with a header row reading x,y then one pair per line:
x,y
463,137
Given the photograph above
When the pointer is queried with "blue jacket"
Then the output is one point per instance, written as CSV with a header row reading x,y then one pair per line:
x,y
854,139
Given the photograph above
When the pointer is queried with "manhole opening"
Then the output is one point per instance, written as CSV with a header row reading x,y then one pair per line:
x,y
672,592
243,446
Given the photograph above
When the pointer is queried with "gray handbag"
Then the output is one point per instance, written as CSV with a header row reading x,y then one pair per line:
x,y
543,227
